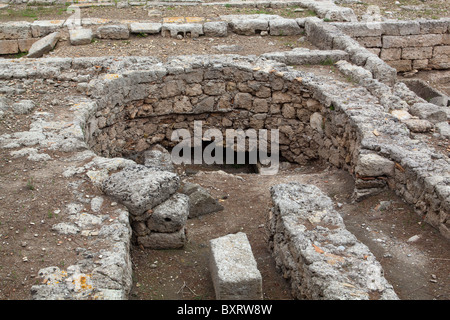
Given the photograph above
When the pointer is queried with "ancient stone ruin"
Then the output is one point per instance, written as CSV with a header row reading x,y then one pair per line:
x,y
113,132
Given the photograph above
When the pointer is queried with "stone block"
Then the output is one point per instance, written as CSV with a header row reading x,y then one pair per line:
x,y
442,51
15,30
358,29
215,29
415,53
419,125
200,201
380,70
170,216
158,159
433,26
80,36
374,165
284,27
150,28
233,268
41,28
321,34
425,40
193,30
429,111
249,27
420,64
370,42
163,240
140,188
9,46
114,32
26,44
44,45
388,54
400,28
446,39
400,65
439,62
243,100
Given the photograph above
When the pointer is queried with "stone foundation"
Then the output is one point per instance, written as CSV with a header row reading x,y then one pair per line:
x,y
315,252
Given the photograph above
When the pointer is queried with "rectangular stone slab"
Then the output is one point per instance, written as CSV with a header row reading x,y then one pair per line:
x,y
233,268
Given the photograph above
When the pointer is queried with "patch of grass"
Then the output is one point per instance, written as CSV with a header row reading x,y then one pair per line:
x,y
327,62
20,55
258,11
227,5
35,11
30,185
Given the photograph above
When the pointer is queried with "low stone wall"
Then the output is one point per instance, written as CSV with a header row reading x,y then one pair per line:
x,y
405,45
19,36
316,253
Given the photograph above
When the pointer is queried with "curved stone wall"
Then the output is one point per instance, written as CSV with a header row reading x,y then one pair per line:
x,y
223,93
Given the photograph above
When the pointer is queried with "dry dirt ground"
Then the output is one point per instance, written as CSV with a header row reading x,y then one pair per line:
x,y
403,9
59,12
33,195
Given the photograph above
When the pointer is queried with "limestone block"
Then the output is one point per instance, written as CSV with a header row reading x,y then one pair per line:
x,y
284,27
140,188
26,44
420,64
243,100
158,159
442,51
388,54
370,42
41,28
233,268
215,29
80,36
15,30
9,46
163,240
357,29
400,65
373,165
425,40
44,45
249,27
115,32
439,62
151,28
429,111
417,53
400,28
200,201
194,30
433,26
419,125
170,216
